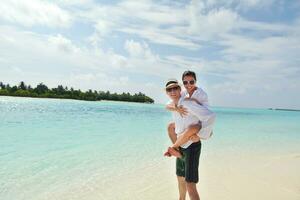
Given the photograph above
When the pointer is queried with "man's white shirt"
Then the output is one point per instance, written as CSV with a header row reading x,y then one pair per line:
x,y
195,114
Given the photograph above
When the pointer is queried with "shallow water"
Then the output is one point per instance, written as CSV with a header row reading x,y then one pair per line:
x,y
67,149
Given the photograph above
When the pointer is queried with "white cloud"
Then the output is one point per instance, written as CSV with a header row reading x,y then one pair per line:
x,y
247,4
241,4
146,22
118,61
34,12
81,3
152,13
63,43
186,26
55,59
103,27
136,49
234,56
162,37
213,23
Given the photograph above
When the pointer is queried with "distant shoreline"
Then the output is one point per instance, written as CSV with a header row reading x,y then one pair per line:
x,y
103,100
63,92
284,109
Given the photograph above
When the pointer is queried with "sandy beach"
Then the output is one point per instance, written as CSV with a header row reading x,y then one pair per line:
x,y
252,177
221,177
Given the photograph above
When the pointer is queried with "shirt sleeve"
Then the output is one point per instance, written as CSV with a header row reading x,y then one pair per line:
x,y
201,112
183,93
201,96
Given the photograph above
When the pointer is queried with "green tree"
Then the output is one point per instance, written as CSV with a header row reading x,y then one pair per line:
x,y
41,89
13,89
22,86
2,85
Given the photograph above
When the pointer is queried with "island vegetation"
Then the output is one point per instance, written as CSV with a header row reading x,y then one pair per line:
x,y
61,92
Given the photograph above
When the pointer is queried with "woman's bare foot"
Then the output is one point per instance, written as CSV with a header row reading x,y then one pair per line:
x,y
174,152
167,154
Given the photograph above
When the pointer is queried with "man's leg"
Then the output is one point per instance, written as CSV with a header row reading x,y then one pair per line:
x,y
181,187
192,155
171,132
192,190
180,172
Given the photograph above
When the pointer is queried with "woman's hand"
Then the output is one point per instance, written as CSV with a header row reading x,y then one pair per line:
x,y
181,110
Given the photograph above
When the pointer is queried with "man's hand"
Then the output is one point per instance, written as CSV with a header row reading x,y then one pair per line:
x,y
181,110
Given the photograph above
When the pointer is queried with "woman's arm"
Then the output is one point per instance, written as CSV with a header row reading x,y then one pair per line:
x,y
194,99
173,107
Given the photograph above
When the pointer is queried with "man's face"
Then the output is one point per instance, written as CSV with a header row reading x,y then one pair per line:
x,y
189,83
173,92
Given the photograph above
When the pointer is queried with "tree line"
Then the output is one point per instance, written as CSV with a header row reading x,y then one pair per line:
x,y
61,92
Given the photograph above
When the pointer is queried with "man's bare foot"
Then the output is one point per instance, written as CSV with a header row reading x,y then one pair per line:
x,y
195,138
174,152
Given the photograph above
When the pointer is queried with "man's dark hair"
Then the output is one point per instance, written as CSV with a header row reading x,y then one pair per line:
x,y
189,73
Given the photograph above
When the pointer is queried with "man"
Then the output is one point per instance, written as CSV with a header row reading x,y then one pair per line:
x,y
187,161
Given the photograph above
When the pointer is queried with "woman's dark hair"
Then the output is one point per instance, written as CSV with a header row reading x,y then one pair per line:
x,y
189,73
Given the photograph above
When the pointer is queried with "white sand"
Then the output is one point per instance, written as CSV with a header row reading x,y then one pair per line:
x,y
252,177
235,177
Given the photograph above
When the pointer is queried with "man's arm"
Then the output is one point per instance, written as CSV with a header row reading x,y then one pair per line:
x,y
185,136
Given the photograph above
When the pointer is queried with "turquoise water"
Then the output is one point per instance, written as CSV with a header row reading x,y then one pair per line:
x,y
63,149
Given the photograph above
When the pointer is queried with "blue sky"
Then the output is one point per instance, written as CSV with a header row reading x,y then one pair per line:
x,y
245,52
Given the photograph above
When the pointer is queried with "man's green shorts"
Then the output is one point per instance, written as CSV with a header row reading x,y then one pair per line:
x,y
187,166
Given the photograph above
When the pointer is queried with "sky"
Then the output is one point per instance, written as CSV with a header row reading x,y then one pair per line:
x,y
246,53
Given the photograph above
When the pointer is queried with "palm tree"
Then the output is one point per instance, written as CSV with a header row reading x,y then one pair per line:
x,y
22,86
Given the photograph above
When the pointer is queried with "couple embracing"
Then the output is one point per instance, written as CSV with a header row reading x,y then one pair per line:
x,y
192,122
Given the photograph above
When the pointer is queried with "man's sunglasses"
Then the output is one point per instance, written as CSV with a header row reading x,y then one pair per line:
x,y
192,82
172,89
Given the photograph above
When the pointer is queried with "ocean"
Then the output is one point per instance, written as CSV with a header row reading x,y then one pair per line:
x,y
67,149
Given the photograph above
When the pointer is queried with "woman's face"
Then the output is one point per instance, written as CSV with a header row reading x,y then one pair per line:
x,y
189,83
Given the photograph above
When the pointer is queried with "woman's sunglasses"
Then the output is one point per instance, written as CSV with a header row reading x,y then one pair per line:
x,y
192,82
172,89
